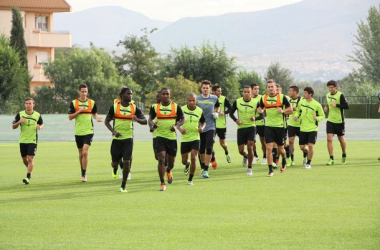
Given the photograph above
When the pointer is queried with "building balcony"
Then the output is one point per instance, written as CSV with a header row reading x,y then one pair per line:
x,y
38,38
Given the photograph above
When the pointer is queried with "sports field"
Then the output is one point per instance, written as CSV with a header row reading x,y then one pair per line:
x,y
326,207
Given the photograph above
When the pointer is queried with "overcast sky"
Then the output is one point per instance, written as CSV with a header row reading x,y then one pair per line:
x,y
172,10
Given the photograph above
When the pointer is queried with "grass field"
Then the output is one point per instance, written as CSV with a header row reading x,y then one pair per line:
x,y
326,207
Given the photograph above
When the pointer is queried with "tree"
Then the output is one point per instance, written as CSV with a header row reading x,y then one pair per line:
x,y
139,61
367,47
14,86
281,75
17,36
247,78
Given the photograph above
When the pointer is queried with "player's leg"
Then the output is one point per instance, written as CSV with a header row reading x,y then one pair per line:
x,y
161,155
202,151
264,149
171,154
291,149
330,148
127,149
209,148
343,145
185,157
193,165
250,149
116,156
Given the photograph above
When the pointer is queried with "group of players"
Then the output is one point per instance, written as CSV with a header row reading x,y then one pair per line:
x,y
273,116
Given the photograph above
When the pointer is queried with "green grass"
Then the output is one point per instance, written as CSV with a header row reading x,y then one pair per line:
x,y
326,207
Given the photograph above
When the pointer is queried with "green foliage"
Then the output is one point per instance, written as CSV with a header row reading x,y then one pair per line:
x,y
248,77
94,67
282,76
367,51
14,78
17,36
139,61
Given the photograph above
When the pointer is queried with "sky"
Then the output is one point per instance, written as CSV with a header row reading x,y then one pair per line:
x,y
172,10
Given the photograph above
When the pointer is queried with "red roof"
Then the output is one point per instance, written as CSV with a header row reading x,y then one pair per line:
x,y
37,5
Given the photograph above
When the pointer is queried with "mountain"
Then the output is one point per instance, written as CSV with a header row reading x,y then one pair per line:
x,y
104,26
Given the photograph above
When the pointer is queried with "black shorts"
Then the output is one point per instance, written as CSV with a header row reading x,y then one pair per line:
x,y
308,137
155,144
293,131
28,149
335,128
83,139
169,146
276,135
246,134
221,132
121,149
260,130
186,147
207,141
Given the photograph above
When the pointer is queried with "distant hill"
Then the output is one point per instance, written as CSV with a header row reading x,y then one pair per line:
x,y
104,26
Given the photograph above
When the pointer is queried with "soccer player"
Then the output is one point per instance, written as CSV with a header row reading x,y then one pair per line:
x,y
310,113
221,128
336,104
124,113
195,123
209,104
247,111
29,121
169,115
294,124
260,126
82,110
276,106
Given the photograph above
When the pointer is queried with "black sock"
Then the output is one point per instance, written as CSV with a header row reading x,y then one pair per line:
x,y
162,181
245,155
206,167
115,169
226,152
331,157
344,155
168,170
203,165
28,175
250,166
283,161
191,177
292,157
123,184
265,156
83,172
287,151
274,153
304,154
255,154
270,168
308,161
213,156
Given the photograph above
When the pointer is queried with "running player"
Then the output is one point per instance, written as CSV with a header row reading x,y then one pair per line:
x,y
276,106
310,113
195,123
29,121
82,110
294,125
221,128
209,104
260,126
247,111
124,113
336,104
169,115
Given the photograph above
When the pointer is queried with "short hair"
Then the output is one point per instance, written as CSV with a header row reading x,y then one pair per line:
x,y
82,85
192,95
29,99
216,87
164,89
254,85
278,85
206,82
123,90
270,81
309,90
247,87
295,88
332,83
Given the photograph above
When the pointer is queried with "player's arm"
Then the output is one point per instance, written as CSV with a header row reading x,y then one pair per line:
x,y
139,117
319,114
261,107
232,113
107,121
288,108
17,121
227,107
40,123
151,123
202,123
343,103
260,116
72,112
180,117
217,107
95,113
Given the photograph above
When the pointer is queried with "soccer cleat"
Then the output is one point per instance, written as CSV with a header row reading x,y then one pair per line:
x,y
292,163
249,171
187,168
84,179
304,161
170,177
264,161
123,190
190,183
283,167
330,162
205,174
163,187
26,181
255,160
274,165
343,160
228,158
245,162
129,176
308,166
214,164
270,174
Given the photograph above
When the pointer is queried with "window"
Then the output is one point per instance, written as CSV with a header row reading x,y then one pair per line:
x,y
42,57
42,23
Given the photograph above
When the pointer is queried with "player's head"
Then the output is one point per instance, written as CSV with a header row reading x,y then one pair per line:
x,y
165,95
247,92
158,97
206,87
255,89
191,100
217,90
83,90
293,91
126,94
333,86
278,88
271,87
29,104
308,93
